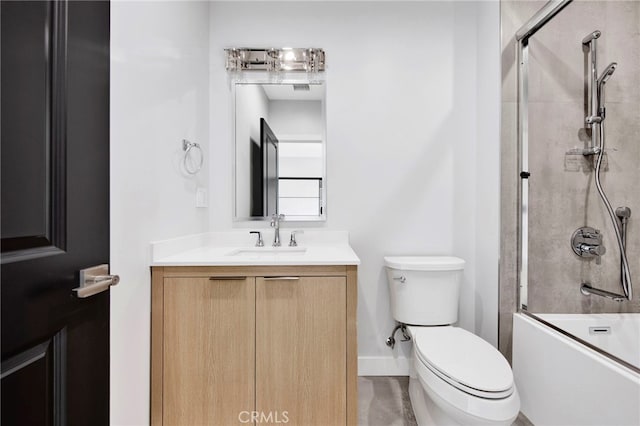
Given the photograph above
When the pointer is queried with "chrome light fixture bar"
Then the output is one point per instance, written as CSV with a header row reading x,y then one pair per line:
x,y
271,59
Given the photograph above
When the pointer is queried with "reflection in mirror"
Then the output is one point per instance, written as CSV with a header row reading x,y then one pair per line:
x,y
280,151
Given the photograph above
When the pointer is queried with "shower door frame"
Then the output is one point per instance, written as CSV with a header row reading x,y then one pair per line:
x,y
537,21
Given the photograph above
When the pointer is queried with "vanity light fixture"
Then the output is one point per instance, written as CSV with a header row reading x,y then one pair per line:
x,y
271,59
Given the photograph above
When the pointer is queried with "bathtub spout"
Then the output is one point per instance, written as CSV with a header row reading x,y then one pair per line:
x,y
587,290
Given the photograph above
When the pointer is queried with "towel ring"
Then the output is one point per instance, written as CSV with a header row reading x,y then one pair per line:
x,y
187,147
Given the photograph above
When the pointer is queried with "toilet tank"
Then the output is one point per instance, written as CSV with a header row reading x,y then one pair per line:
x,y
424,290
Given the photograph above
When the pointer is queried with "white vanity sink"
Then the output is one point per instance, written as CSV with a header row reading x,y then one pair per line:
x,y
237,248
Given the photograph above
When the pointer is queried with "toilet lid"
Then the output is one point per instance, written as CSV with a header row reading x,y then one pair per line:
x,y
464,360
424,263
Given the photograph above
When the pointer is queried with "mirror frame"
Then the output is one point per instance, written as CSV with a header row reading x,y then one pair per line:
x,y
283,79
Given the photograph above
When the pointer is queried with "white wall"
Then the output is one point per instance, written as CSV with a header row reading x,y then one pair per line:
x,y
159,95
296,117
406,139
487,178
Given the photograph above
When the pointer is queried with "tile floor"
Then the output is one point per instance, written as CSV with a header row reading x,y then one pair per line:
x,y
384,401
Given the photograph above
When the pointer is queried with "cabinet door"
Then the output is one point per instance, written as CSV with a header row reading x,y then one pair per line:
x,y
209,350
301,350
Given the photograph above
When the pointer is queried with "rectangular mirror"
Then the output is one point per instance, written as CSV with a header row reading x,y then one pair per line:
x,y
280,151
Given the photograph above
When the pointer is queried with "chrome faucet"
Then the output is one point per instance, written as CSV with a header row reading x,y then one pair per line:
x,y
275,223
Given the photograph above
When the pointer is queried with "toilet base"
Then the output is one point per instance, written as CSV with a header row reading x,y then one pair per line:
x,y
428,410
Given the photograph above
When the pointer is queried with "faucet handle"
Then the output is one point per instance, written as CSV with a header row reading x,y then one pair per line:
x,y
292,240
594,250
260,242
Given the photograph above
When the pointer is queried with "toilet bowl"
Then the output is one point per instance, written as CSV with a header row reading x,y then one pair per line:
x,y
456,378
462,379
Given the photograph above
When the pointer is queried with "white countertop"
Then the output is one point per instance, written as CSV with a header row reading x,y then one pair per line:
x,y
237,248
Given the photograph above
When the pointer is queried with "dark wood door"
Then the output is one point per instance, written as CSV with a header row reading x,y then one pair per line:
x,y
55,211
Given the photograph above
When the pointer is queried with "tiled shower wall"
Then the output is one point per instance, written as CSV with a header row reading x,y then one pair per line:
x,y
562,195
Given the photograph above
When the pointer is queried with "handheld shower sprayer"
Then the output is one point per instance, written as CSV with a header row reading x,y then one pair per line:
x,y
604,77
606,74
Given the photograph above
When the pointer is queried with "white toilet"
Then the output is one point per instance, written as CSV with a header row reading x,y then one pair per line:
x,y
456,377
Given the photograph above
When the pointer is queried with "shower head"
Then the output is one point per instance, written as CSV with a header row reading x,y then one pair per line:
x,y
604,77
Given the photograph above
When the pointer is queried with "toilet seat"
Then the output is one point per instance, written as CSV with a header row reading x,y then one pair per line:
x,y
464,361
459,405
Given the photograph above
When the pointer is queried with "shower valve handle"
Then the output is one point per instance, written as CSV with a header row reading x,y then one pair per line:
x,y
587,243
594,250
592,235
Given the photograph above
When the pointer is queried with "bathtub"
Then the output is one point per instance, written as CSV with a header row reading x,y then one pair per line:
x,y
564,382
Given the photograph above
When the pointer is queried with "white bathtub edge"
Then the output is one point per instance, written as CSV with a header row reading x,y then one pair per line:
x,y
563,382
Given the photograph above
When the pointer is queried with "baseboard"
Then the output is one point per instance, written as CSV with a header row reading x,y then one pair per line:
x,y
383,366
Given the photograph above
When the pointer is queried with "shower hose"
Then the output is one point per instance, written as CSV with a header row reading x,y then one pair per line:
x,y
626,275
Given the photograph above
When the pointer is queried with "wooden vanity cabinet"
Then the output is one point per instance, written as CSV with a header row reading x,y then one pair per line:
x,y
278,341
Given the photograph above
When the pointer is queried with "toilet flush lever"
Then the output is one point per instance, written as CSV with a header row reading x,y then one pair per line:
x,y
401,278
